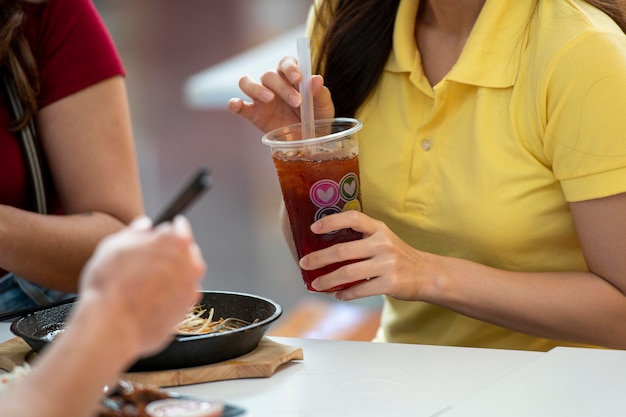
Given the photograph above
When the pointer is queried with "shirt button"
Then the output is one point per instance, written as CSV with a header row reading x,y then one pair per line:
x,y
427,144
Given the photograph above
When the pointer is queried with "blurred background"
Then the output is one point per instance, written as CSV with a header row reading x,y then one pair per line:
x,y
164,43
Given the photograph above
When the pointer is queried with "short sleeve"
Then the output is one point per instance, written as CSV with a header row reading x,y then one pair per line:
x,y
72,47
586,116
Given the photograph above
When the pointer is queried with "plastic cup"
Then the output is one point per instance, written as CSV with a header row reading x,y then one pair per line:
x,y
318,176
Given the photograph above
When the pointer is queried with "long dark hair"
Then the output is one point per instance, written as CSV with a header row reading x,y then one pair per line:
x,y
356,43
357,38
16,58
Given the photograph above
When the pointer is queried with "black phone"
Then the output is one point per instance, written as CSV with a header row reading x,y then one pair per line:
x,y
200,182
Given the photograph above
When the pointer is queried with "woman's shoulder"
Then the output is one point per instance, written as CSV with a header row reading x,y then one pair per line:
x,y
71,46
568,34
564,20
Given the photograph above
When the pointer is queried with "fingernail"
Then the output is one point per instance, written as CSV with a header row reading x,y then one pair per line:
x,y
315,284
294,77
294,100
182,225
316,227
304,263
141,223
266,96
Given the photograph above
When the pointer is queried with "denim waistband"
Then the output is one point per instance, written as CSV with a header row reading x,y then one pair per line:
x,y
17,293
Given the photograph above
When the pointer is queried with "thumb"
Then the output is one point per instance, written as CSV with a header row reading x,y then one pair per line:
x,y
323,102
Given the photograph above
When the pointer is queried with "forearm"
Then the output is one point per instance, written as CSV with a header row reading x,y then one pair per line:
x,y
50,250
99,349
571,306
89,147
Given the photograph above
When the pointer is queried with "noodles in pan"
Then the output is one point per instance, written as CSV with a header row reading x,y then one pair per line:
x,y
194,323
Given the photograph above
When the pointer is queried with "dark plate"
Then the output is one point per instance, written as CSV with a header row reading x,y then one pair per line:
x,y
230,410
113,402
183,351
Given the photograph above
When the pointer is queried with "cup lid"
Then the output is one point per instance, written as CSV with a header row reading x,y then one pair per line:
x,y
351,126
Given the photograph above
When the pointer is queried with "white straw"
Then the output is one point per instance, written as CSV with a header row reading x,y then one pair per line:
x,y
307,116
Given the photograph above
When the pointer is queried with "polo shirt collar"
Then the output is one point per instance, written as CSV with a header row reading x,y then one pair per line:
x,y
491,56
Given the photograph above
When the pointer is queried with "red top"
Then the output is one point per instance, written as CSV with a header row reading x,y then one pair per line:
x,y
73,50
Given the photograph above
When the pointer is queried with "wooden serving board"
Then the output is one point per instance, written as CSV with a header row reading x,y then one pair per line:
x,y
262,362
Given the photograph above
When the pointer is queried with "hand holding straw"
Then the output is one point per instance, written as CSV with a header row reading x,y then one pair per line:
x,y
307,116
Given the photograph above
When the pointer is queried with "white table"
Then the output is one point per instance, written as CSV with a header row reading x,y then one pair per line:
x,y
340,378
567,382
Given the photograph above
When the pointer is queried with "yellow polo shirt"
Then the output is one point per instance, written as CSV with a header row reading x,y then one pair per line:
x,y
482,165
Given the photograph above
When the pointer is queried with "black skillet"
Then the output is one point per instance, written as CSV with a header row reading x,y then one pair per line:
x,y
38,330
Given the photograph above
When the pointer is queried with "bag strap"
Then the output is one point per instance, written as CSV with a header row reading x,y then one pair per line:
x,y
28,140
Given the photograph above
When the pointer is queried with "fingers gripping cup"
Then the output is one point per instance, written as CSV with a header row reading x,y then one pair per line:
x,y
318,176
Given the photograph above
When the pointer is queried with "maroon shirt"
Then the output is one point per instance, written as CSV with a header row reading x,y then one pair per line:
x,y
73,50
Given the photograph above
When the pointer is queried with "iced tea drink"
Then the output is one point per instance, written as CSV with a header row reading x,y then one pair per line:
x,y
318,177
